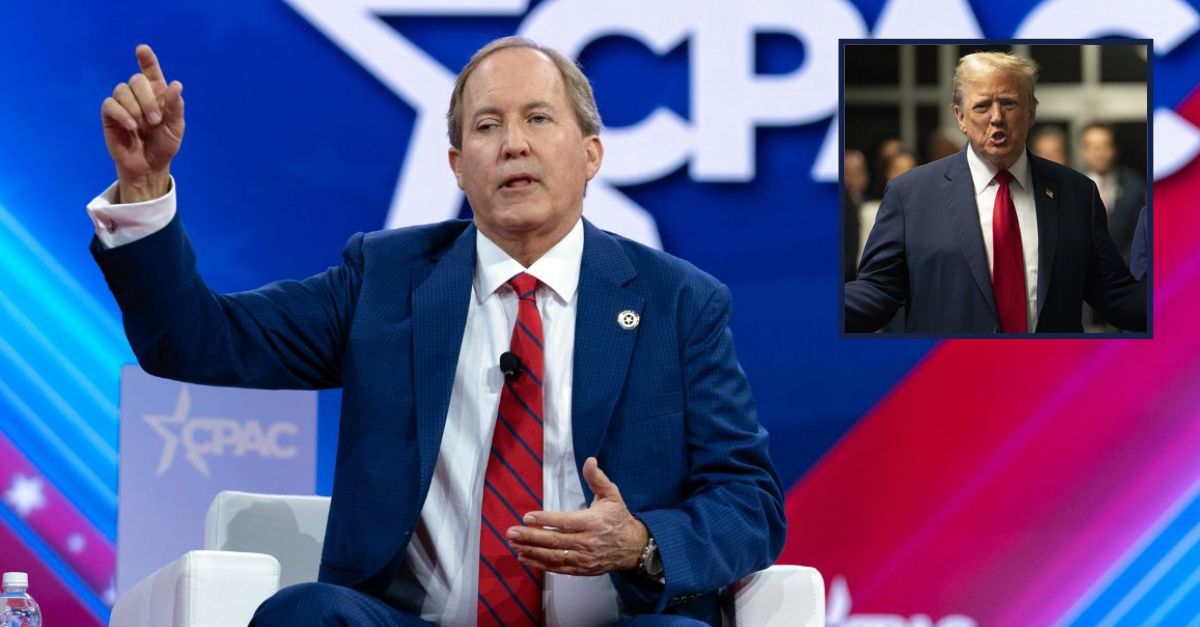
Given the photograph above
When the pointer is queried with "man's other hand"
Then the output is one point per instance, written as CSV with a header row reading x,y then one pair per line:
x,y
143,128
598,540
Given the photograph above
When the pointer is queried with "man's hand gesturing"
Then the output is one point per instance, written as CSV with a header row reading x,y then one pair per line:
x,y
601,539
143,128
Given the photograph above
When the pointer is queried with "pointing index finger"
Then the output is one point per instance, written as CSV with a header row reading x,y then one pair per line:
x,y
149,64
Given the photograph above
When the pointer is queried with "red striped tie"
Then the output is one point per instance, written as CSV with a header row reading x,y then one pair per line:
x,y
1008,260
510,593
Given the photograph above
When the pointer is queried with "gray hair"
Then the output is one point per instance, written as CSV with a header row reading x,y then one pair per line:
x,y
579,90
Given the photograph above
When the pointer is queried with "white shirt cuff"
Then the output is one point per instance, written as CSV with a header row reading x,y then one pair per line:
x,y
118,224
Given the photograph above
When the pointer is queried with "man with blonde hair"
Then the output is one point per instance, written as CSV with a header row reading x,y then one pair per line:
x,y
992,239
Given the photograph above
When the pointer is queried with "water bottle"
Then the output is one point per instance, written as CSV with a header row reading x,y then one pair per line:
x,y
17,608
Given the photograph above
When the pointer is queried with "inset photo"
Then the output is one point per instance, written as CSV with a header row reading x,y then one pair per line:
x,y
996,188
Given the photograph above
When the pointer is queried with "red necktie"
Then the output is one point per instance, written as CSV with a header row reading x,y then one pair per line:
x,y
510,593
1008,260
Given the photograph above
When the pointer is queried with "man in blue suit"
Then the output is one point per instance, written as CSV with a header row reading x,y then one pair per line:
x,y
638,377
993,239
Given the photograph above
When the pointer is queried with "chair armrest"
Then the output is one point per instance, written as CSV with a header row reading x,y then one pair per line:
x,y
289,527
792,596
200,589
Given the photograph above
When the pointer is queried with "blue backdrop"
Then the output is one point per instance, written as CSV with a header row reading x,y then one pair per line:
x,y
295,141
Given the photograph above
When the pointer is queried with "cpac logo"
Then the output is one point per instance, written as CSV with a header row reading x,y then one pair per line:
x,y
729,101
838,613
205,436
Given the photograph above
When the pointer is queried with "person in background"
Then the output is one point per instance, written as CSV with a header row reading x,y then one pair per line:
x,y
855,180
1139,253
1050,142
884,151
1122,190
856,177
901,162
939,146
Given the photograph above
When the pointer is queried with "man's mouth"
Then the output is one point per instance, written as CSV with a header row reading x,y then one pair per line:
x,y
999,137
518,181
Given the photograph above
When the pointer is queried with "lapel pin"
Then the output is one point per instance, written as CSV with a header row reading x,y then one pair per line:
x,y
1049,193
629,319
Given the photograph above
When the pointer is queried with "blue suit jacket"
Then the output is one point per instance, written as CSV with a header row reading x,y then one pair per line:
x,y
1139,256
1123,215
926,253
665,408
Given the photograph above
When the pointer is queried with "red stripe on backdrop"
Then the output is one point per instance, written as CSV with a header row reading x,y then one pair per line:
x,y
60,525
1000,478
59,605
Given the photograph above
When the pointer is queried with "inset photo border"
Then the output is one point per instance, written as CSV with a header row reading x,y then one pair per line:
x,y
925,127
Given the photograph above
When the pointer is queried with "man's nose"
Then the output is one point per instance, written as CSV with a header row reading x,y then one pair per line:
x,y
997,114
516,143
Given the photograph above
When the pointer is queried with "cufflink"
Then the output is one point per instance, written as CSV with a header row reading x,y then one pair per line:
x,y
629,319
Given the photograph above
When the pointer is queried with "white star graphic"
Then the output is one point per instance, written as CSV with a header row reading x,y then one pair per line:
x,y
76,543
25,494
109,596
159,423
171,441
426,190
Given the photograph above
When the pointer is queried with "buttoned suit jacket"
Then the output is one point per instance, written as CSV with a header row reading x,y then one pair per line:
x,y
926,253
665,407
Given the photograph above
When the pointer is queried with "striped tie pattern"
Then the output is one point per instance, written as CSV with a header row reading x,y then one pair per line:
x,y
510,593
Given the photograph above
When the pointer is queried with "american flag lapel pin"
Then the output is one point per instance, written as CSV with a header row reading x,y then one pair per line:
x,y
1049,194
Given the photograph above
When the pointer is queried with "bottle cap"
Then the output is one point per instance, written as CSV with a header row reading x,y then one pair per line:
x,y
16,579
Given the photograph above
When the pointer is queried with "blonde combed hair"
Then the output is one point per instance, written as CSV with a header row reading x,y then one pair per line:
x,y
979,65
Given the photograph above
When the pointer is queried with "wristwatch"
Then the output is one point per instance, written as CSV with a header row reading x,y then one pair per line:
x,y
650,564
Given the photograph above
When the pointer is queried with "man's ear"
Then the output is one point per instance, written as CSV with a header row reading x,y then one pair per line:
x,y
455,160
595,154
958,115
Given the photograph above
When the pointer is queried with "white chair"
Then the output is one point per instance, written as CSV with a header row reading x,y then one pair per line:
x,y
255,544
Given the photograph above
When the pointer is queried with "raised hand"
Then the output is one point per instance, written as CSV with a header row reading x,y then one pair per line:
x,y
143,128
598,540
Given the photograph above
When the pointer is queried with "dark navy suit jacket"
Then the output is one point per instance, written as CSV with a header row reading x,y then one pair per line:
x,y
1123,215
665,408
926,254
1139,262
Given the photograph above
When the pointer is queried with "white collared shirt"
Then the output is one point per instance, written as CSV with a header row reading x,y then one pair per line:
x,y
443,554
1107,185
983,177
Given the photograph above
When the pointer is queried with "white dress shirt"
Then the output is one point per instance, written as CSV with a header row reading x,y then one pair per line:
x,y
983,177
443,555
444,552
122,223
1107,185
